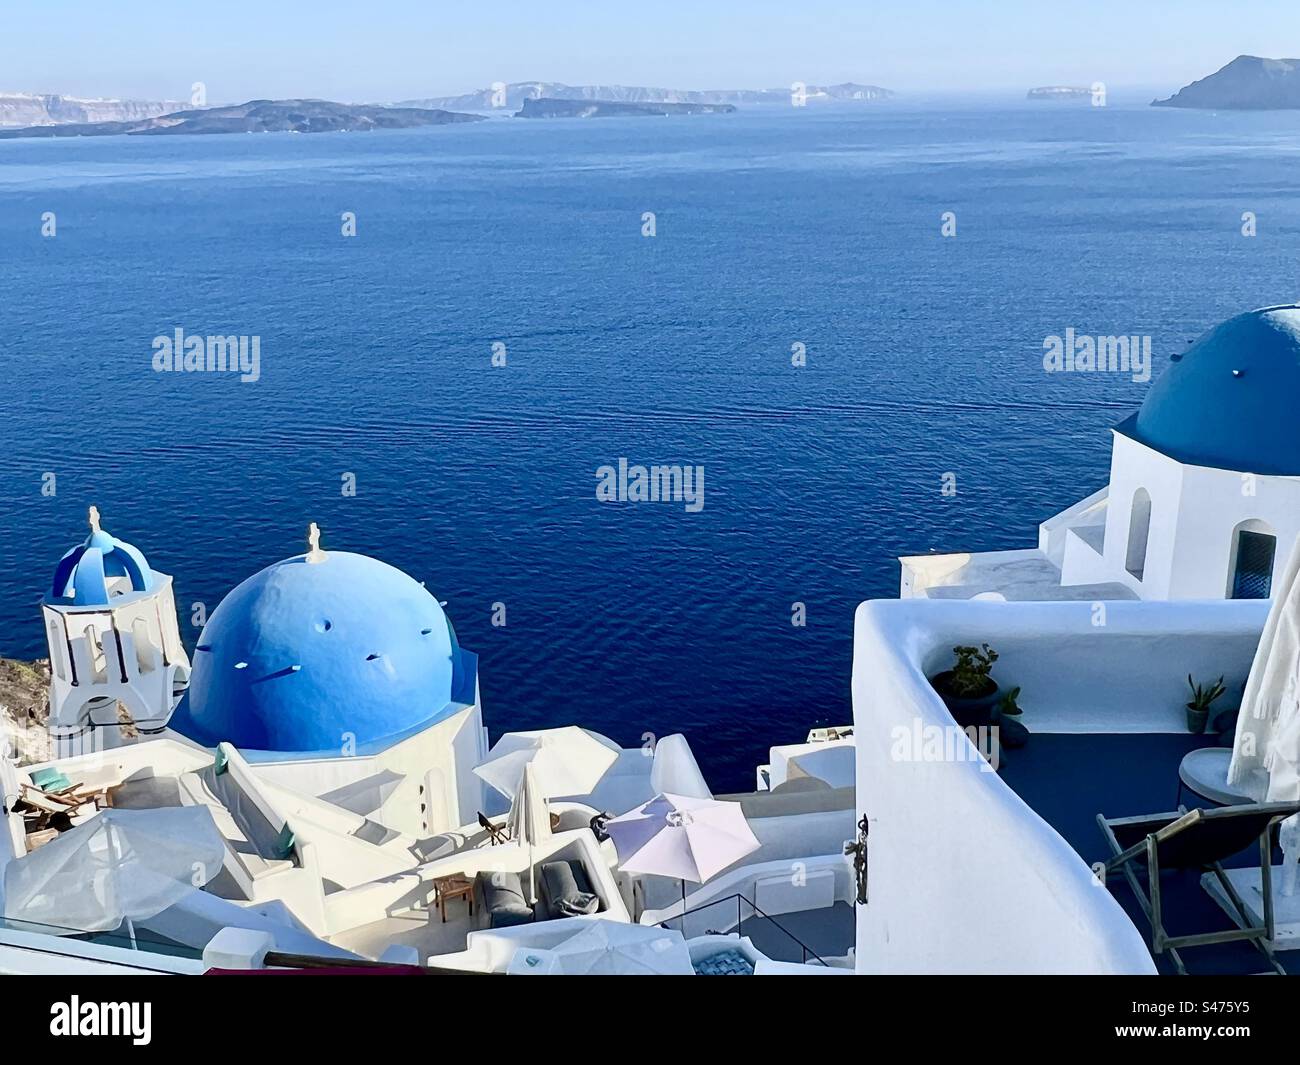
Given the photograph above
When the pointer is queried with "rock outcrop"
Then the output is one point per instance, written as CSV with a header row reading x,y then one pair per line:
x,y
258,116
1248,83
33,109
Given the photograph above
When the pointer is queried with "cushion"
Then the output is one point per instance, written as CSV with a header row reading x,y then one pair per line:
x,y
568,890
50,779
503,898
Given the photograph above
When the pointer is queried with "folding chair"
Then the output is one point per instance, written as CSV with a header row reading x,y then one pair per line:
x,y
496,833
1197,839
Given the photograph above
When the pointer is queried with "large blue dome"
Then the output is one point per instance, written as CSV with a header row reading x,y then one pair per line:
x,y
1229,400
324,657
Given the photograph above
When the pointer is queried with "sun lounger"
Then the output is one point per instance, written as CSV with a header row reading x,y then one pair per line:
x,y
1196,839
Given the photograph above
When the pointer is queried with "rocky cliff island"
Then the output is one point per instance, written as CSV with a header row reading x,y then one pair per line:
x,y
1248,83
51,109
515,95
257,116
548,108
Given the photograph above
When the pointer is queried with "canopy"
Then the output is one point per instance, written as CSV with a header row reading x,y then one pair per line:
x,y
682,837
568,761
617,948
121,865
1266,752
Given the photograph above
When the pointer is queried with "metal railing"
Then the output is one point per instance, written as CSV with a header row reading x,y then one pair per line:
x,y
741,902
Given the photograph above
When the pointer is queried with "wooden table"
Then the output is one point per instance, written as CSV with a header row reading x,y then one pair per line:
x,y
453,887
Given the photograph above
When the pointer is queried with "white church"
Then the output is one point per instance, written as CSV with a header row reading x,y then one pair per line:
x,y
1204,486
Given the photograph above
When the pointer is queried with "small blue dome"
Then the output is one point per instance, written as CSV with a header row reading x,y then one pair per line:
x,y
1229,400
83,574
318,657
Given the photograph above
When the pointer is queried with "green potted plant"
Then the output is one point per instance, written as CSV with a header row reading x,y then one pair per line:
x,y
1198,710
1011,729
967,689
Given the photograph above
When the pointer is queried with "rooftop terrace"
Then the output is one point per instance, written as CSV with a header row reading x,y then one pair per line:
x,y
1069,779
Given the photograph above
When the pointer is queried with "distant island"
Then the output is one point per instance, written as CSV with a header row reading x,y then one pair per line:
x,y
256,116
1248,83
1059,92
548,108
48,109
516,94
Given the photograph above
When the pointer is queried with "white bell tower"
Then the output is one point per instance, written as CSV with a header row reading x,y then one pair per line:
x,y
113,636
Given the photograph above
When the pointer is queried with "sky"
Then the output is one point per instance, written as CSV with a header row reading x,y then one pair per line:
x,y
385,50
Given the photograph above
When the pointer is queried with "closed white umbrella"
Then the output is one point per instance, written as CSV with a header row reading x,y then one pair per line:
x,y
1266,750
681,836
617,948
530,821
568,761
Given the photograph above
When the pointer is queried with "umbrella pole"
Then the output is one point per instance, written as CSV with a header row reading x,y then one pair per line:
x,y
683,907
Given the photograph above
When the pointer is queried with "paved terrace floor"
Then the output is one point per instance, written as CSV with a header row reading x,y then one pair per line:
x,y
1069,779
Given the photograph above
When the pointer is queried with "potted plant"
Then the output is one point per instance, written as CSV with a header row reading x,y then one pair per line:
x,y
1011,730
967,689
1198,710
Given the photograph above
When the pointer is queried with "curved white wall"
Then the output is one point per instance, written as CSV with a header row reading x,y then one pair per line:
x,y
964,876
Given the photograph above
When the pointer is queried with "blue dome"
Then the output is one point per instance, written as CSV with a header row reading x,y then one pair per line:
x,y
316,657
1229,400
83,574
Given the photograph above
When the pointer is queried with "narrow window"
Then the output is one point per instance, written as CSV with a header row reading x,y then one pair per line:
x,y
1139,531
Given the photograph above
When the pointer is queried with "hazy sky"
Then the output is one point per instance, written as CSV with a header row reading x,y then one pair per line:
x,y
393,49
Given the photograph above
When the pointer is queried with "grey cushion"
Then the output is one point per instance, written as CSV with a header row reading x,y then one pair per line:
x,y
503,898
567,889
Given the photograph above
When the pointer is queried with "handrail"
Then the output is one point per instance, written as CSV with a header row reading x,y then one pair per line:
x,y
807,950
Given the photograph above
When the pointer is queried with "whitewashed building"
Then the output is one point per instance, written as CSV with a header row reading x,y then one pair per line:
x,y
1204,484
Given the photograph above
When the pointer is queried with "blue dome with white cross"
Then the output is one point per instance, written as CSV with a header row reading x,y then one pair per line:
x,y
326,653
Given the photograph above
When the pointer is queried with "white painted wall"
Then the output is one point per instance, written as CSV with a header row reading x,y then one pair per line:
x,y
1194,512
964,876
439,758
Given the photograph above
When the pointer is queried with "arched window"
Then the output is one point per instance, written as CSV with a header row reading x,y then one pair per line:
x,y
1250,565
1139,531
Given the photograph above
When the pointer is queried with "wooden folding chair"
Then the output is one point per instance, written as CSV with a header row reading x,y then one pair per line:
x,y
1197,839
496,833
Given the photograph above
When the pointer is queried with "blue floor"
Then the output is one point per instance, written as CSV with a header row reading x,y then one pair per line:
x,y
1068,780
826,933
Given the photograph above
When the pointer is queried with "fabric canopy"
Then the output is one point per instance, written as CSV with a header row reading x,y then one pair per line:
x,y
616,948
121,865
568,761
1266,751
682,837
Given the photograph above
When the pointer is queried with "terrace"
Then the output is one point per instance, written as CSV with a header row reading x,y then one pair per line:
x,y
980,871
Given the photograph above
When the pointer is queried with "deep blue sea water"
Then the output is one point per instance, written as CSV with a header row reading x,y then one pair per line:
x,y
773,227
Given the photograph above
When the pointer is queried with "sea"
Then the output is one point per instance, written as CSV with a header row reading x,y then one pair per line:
x,y
838,315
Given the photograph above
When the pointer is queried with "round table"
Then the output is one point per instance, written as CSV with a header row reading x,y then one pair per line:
x,y
1205,773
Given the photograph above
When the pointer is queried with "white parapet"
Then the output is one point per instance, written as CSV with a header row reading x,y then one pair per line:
x,y
964,877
